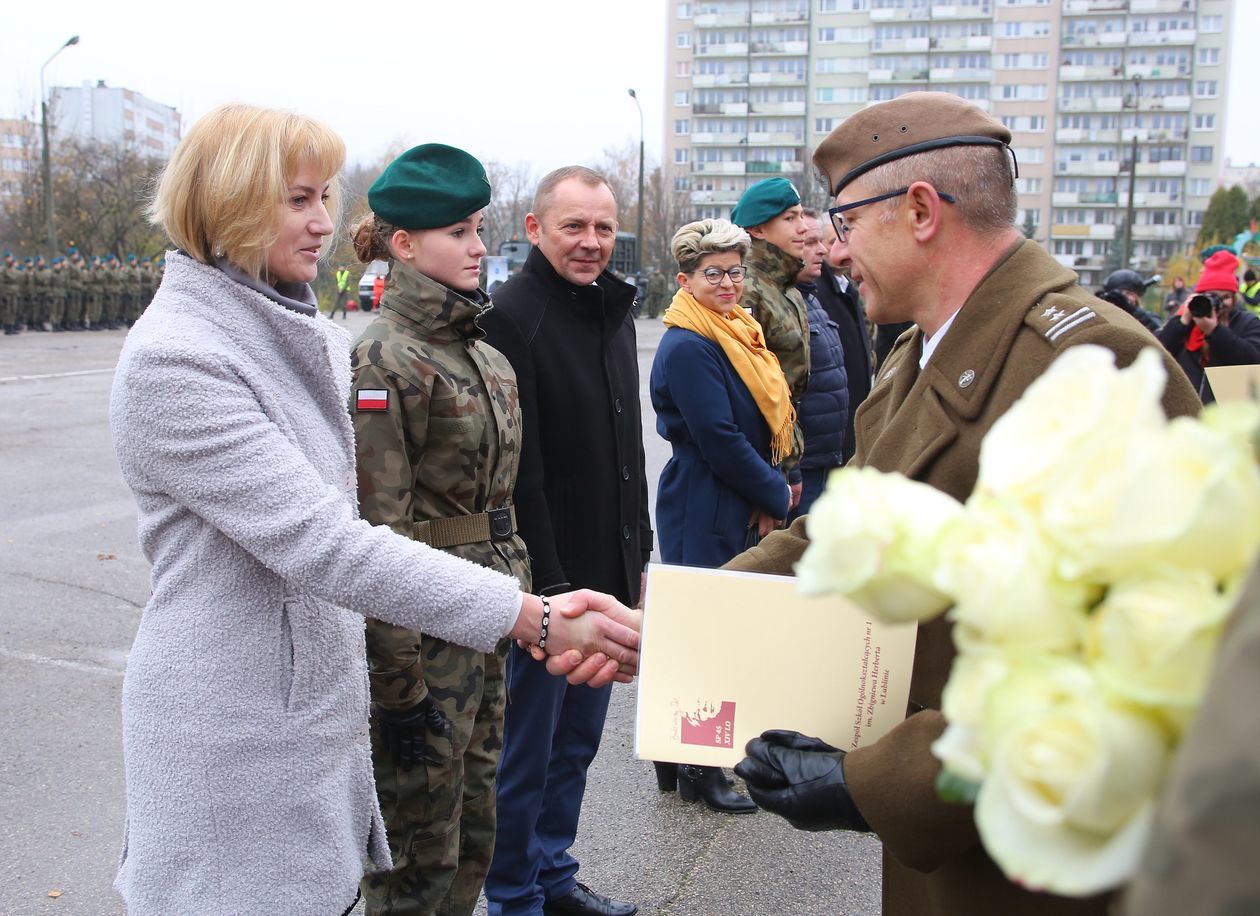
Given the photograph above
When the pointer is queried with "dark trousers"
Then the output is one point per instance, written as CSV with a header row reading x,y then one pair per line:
x,y
813,480
550,737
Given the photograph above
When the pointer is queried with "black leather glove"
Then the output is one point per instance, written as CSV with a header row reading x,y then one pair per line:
x,y
801,779
406,734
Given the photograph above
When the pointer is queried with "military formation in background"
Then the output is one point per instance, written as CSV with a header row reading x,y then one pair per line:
x,y
72,293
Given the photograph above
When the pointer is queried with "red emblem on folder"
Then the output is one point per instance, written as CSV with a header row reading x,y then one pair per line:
x,y
710,726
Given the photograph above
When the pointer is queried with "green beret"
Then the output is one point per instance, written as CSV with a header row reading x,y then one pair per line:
x,y
429,186
764,201
912,123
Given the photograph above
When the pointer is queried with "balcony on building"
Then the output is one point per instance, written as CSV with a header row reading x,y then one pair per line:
x,y
771,48
726,198
1098,231
775,78
777,138
719,20
958,43
1157,71
1075,73
1105,103
718,168
899,45
707,80
1088,7
961,11
1161,6
1094,40
1087,135
723,49
1172,169
777,108
1175,37
1104,168
798,16
1070,198
718,139
1152,134
961,75
900,14
900,75
1157,233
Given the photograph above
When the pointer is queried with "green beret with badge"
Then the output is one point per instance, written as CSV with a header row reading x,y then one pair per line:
x,y
764,201
916,122
430,186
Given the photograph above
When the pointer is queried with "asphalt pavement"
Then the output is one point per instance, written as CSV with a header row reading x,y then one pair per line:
x,y
72,588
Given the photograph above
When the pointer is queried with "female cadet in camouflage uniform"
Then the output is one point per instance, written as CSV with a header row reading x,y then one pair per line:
x,y
438,430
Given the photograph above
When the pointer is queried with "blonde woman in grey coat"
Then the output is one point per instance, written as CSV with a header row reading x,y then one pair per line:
x,y
245,704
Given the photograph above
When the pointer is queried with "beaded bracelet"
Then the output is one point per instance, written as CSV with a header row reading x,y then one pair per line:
x,y
546,622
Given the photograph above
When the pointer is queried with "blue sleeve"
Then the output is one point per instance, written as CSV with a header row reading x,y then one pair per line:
x,y
695,378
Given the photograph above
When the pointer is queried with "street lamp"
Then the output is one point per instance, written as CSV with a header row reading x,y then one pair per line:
x,y
43,117
638,247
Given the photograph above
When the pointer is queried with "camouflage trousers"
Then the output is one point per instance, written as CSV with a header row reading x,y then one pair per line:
x,y
441,819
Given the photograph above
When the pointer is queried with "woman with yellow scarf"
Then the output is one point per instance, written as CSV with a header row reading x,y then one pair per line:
x,y
723,405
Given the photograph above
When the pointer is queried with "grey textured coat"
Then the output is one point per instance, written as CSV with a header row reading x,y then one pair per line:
x,y
245,704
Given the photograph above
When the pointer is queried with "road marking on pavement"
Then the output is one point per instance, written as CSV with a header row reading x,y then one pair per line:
x,y
46,375
59,662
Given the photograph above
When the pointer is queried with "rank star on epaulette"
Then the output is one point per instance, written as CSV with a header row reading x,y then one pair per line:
x,y
1052,313
370,399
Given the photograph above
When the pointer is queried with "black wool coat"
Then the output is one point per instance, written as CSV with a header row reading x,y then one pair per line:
x,y
581,493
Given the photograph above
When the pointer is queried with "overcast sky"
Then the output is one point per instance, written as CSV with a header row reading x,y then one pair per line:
x,y
538,81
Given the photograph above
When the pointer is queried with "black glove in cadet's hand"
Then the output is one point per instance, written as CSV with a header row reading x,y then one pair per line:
x,y
405,733
801,779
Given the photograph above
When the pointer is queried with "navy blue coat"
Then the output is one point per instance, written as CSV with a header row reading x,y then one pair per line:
x,y
720,467
824,410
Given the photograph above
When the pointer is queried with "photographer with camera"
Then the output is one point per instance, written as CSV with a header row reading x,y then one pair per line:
x,y
1208,330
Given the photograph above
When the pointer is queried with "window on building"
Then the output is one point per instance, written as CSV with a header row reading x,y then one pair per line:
x,y
682,183
1205,89
682,97
684,11
826,35
1200,187
1209,57
682,126
680,156
1211,23
1030,154
1194,217
1205,122
683,40
1028,185
682,68
1200,154
824,125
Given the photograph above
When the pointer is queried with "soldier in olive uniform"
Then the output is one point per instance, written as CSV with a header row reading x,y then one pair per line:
x,y
10,289
57,294
111,293
438,429
771,212
92,301
76,282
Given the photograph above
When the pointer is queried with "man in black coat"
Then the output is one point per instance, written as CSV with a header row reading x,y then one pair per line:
x,y
567,326
839,299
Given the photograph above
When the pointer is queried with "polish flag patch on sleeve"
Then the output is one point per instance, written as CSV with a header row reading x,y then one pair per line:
x,y
368,399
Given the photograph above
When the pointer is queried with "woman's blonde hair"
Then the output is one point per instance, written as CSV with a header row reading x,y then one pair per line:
x,y
707,236
225,188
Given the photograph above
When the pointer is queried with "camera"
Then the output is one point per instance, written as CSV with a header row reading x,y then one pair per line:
x,y
1203,304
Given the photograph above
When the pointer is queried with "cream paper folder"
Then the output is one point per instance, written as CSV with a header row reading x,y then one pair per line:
x,y
728,655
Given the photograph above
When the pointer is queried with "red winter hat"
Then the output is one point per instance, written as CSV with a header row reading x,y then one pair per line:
x,y
1219,273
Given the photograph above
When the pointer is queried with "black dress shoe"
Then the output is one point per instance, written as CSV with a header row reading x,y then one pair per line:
x,y
709,785
582,901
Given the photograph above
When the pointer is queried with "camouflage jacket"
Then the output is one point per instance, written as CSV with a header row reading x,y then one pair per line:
x,y
770,293
445,442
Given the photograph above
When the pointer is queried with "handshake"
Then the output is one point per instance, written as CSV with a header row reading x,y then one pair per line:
x,y
589,637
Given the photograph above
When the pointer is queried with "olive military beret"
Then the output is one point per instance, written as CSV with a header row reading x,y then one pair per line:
x,y
429,186
913,123
764,201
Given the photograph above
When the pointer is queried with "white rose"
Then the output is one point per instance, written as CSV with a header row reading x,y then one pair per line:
x,y
972,679
1187,496
1154,637
873,539
1067,803
1003,575
1080,411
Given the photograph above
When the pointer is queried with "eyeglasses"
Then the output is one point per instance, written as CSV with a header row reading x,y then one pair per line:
x,y
842,228
715,274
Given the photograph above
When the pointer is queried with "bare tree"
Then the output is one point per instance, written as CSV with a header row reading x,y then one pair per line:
x,y
511,196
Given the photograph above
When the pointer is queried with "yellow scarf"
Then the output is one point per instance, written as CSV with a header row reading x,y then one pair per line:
x,y
741,339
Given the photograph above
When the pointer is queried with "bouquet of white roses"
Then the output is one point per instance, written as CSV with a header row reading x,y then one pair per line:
x,y
1088,578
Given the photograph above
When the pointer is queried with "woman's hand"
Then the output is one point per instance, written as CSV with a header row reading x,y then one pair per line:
x,y
763,521
592,638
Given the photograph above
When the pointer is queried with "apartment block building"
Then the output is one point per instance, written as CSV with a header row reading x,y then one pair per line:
x,y
754,85
114,115
19,156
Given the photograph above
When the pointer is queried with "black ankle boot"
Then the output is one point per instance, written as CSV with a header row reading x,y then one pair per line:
x,y
708,784
666,776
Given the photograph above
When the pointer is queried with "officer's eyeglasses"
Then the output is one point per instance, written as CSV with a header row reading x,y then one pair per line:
x,y
715,274
842,228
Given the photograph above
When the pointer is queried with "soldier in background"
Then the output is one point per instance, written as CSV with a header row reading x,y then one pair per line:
x,y
657,293
75,286
111,293
57,294
437,425
10,290
92,298
771,212
26,295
